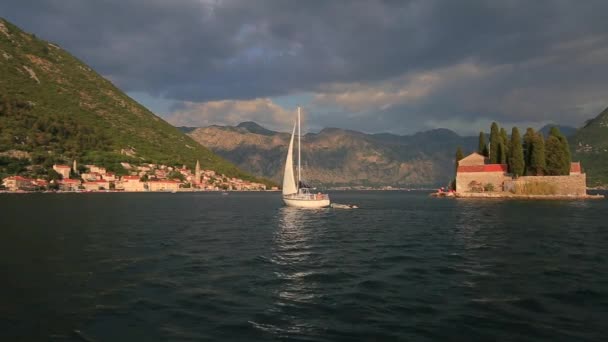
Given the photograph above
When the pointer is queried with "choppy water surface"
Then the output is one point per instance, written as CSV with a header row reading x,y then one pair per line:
x,y
148,267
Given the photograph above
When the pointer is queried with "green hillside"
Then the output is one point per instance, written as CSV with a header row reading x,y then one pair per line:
x,y
591,148
54,108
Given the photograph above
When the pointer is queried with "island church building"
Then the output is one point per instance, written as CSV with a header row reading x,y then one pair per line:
x,y
475,174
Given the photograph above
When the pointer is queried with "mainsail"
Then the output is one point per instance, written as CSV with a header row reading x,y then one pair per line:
x,y
289,183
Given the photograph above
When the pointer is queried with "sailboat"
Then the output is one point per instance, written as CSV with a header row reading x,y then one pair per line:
x,y
294,194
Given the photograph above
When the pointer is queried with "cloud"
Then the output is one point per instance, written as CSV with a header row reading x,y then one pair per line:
x,y
232,112
385,65
407,89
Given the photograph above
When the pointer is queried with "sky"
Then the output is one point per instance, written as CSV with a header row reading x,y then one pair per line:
x,y
372,66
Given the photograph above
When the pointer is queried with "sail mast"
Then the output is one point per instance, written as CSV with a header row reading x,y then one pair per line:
x,y
299,148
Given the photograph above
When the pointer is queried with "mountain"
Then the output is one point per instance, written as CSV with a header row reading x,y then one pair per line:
x,y
54,108
338,157
590,146
253,127
566,130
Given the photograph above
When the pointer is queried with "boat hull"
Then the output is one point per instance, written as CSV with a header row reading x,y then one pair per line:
x,y
306,203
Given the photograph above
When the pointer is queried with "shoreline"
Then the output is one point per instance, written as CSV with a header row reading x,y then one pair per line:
x,y
530,197
129,192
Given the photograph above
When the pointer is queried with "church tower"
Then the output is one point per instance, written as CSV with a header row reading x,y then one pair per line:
x,y
197,173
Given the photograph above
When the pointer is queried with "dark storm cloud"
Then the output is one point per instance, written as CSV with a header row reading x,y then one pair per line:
x,y
213,50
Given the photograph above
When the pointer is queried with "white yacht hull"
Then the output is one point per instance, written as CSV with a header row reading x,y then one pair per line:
x,y
306,203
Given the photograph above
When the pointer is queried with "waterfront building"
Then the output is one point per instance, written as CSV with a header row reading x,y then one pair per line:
x,y
474,175
63,170
69,184
109,176
96,185
164,185
14,183
131,183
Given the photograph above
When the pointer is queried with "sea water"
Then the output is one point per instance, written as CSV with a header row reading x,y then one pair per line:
x,y
202,266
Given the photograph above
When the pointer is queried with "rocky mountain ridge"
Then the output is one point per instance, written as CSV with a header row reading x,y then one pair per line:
x,y
338,157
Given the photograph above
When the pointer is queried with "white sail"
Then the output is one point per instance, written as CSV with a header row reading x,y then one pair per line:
x,y
289,183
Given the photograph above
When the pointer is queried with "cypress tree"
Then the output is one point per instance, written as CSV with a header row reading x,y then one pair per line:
x,y
494,143
482,148
564,157
459,155
505,141
537,156
516,160
502,153
528,146
556,157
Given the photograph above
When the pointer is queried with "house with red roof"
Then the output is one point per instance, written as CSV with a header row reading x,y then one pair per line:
x,y
475,174
109,176
69,184
14,183
40,183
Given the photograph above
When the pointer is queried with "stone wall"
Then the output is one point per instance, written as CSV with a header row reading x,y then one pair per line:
x,y
575,184
463,179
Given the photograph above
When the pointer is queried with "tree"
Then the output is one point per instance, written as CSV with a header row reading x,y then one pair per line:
x,y
538,163
482,147
527,147
502,153
494,143
459,155
516,158
176,175
54,175
505,141
555,156
564,151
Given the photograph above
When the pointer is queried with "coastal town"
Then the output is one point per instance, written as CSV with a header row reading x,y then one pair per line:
x,y
140,178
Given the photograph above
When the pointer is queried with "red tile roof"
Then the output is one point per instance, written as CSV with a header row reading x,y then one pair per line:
x,y
62,166
483,168
19,178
